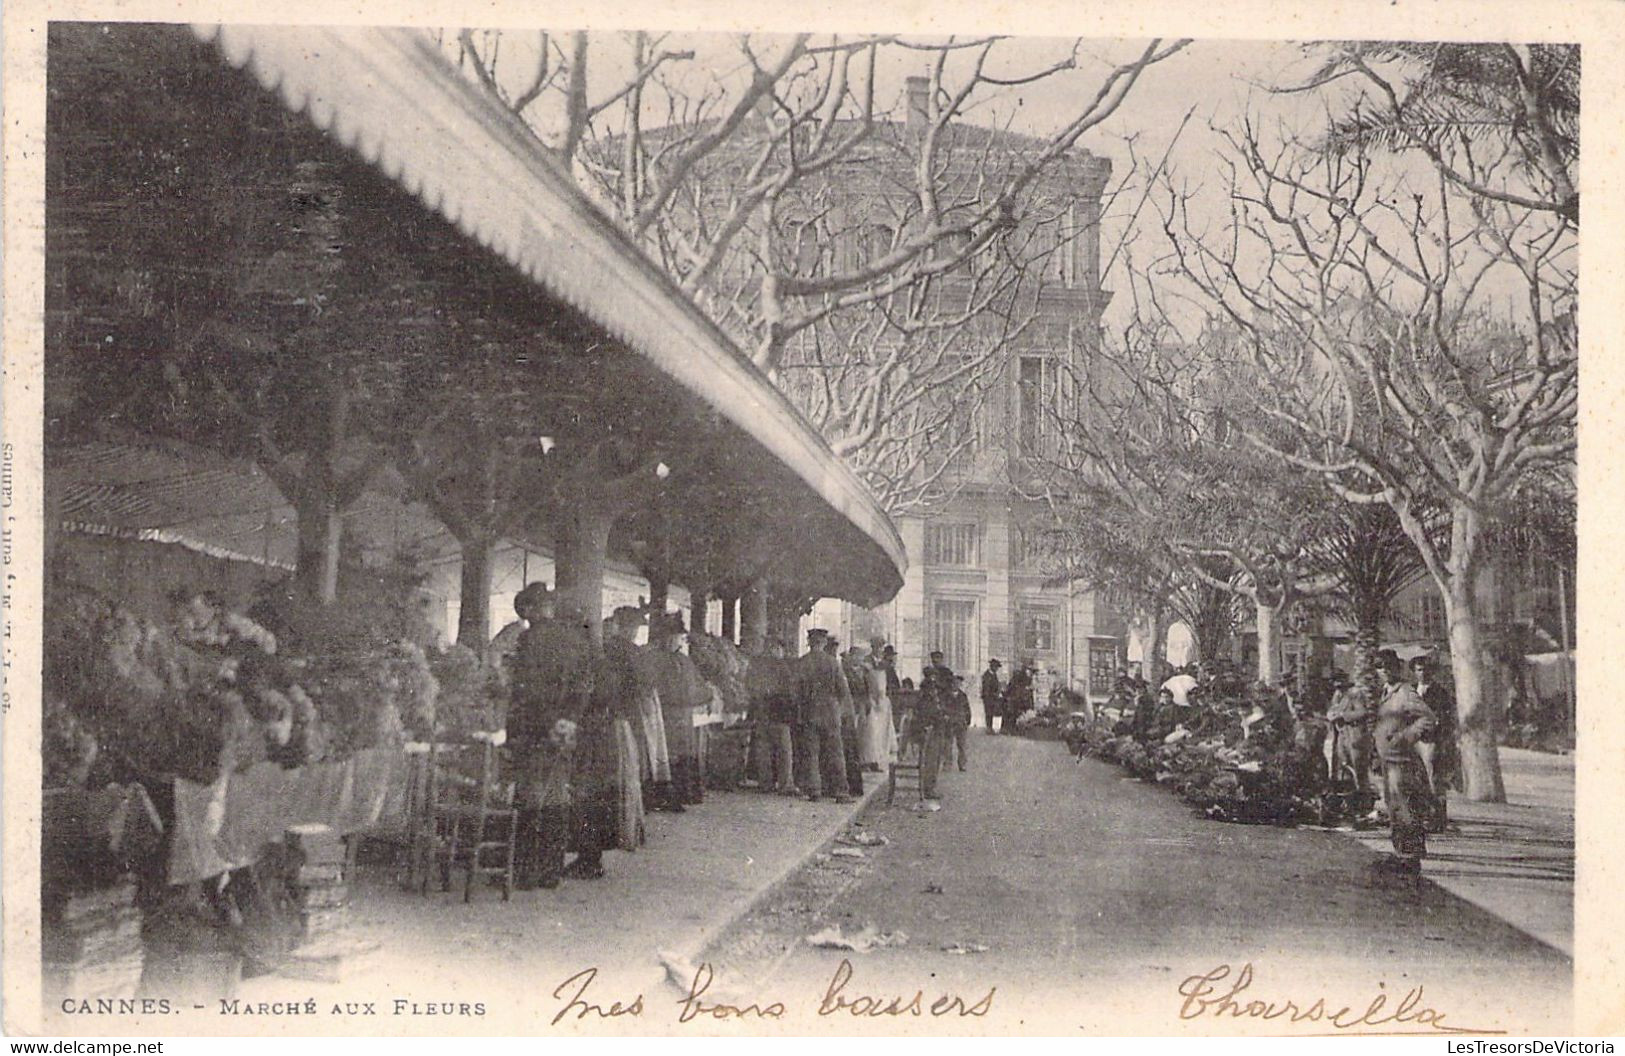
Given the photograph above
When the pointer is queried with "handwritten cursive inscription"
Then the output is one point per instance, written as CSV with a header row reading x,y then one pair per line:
x,y
578,1003
836,1001
693,1007
1218,994
583,1008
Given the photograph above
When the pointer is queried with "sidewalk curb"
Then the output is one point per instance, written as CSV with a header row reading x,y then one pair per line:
x,y
692,950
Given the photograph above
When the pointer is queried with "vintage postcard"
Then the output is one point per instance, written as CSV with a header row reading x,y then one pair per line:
x,y
845,520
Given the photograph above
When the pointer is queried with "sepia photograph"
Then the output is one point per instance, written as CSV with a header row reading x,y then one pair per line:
x,y
693,530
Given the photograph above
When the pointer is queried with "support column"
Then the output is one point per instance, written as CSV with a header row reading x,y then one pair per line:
x,y
753,611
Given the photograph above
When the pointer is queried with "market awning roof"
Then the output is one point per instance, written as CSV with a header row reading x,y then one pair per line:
x,y
391,97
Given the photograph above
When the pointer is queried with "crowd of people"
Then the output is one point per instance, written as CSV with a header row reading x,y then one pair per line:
x,y
599,731
1326,749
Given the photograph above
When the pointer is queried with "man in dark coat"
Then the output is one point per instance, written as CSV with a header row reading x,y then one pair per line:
x,y
552,689
932,717
888,662
772,714
958,727
822,697
1441,755
1403,721
681,691
992,693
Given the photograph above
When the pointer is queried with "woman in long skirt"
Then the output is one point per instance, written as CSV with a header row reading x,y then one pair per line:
x,y
879,740
629,781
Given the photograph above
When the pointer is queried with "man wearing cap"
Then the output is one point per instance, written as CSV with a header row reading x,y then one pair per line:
x,y
822,695
1402,722
772,713
957,733
931,720
992,693
552,684
1440,752
681,691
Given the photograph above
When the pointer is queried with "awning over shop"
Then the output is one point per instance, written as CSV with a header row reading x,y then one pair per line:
x,y
519,248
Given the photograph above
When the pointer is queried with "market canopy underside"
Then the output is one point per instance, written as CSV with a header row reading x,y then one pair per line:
x,y
382,230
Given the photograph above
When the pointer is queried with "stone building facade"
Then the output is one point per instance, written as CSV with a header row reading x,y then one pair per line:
x,y
972,590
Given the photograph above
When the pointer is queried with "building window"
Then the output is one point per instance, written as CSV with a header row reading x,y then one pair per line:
x,y
1102,668
1038,400
1038,631
1430,615
954,633
958,545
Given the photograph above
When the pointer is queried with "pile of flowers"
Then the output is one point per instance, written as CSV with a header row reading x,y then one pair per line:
x,y
472,693
721,663
1229,762
1040,721
203,690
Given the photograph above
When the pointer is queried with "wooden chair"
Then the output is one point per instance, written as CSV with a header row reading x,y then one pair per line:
x,y
469,818
906,769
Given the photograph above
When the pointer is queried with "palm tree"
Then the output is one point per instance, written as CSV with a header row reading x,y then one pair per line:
x,y
1467,107
1368,555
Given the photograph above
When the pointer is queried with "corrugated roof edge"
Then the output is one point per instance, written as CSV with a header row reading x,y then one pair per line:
x,y
348,95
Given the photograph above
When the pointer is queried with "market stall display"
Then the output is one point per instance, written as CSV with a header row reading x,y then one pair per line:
x,y
1242,760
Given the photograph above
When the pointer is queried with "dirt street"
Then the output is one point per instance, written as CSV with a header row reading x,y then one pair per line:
x,y
1086,901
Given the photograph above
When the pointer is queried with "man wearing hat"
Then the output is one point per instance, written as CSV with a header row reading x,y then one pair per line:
x,y
992,692
552,686
822,695
888,663
1402,723
1351,716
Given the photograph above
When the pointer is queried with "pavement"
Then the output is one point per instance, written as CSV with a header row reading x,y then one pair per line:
x,y
1514,859
1083,898
658,906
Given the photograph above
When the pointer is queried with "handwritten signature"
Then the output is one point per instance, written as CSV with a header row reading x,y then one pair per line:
x,y
1218,994
837,999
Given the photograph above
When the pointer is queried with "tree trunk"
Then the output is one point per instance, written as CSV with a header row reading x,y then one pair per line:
x,y
698,602
1157,654
582,546
474,617
321,528
1268,618
659,591
1367,639
1478,732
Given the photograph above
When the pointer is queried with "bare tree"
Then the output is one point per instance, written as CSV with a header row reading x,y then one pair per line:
x,y
875,262
1154,452
1366,327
